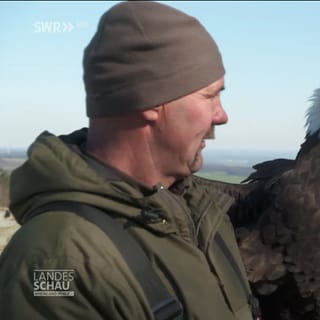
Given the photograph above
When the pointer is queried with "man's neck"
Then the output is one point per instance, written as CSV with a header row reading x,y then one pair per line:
x,y
129,153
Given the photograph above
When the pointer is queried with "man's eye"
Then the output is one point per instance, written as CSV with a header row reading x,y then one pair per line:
x,y
211,97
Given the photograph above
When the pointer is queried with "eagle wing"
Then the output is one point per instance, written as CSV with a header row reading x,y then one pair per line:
x,y
281,247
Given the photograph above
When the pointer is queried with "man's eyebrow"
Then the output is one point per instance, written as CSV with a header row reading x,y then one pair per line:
x,y
214,91
222,89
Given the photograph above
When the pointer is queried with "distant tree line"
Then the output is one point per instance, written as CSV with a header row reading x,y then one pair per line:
x,y
4,188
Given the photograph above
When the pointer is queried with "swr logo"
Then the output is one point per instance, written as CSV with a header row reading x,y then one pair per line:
x,y
52,26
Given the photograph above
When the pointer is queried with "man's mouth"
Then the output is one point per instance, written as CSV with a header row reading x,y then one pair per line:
x,y
210,134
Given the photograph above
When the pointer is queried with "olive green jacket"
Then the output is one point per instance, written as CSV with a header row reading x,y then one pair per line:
x,y
179,245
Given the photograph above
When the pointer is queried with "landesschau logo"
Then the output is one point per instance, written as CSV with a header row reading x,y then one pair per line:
x,y
53,282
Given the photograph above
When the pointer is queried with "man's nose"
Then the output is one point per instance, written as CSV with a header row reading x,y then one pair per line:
x,y
219,116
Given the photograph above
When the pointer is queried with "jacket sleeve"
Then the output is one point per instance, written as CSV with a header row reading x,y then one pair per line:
x,y
86,292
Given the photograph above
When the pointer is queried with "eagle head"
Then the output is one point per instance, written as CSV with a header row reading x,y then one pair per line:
x,y
313,114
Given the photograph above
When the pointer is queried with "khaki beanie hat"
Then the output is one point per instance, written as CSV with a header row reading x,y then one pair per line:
x,y
145,54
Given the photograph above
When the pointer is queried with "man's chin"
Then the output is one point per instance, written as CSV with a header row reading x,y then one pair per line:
x,y
197,163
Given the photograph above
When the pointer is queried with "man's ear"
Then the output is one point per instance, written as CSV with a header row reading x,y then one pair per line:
x,y
151,114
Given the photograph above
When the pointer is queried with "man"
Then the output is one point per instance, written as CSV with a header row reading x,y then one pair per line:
x,y
153,78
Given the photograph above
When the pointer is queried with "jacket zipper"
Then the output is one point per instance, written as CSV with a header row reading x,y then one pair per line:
x,y
203,214
191,222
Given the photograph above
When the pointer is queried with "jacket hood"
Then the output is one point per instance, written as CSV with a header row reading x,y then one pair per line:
x,y
53,171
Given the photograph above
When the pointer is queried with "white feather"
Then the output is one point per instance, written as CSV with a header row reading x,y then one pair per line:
x,y
313,114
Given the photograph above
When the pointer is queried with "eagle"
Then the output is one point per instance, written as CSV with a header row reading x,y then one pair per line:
x,y
276,216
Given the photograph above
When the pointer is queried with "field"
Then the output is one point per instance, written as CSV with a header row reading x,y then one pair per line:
x,y
8,227
221,176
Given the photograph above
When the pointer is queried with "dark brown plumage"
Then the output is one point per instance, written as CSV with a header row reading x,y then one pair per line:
x,y
277,220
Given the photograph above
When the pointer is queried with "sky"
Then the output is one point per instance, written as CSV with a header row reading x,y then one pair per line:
x,y
270,49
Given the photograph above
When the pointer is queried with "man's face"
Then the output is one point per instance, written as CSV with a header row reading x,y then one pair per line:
x,y
182,127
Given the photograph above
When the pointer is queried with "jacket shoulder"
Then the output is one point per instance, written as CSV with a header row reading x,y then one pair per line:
x,y
59,234
64,246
